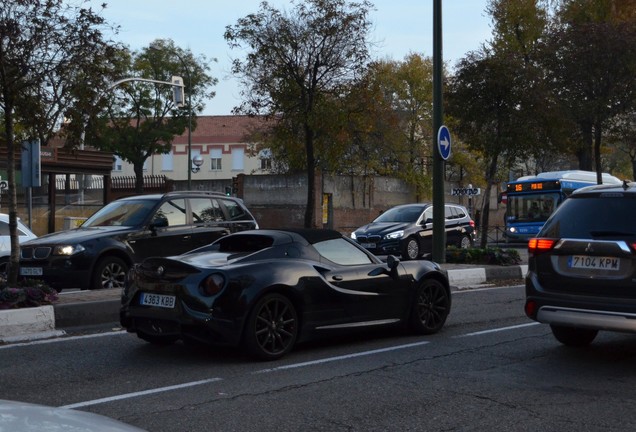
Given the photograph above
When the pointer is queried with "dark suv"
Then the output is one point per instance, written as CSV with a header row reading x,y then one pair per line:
x,y
582,265
407,230
99,253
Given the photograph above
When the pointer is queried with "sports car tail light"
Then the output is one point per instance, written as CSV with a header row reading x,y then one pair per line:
x,y
212,285
538,245
531,309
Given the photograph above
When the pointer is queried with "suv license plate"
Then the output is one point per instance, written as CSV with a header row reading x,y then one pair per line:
x,y
30,271
368,245
158,300
594,262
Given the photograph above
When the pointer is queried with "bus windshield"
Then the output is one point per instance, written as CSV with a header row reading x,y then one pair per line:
x,y
532,207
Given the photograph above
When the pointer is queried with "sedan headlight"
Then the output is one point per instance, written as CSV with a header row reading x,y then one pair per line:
x,y
68,250
395,235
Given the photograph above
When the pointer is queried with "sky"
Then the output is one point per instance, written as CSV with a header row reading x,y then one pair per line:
x,y
399,28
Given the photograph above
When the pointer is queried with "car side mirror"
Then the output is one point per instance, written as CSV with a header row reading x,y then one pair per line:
x,y
158,222
391,262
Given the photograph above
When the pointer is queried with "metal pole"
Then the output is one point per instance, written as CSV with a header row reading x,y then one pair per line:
x,y
439,231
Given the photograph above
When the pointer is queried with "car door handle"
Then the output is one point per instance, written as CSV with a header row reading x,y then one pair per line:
x,y
186,237
336,277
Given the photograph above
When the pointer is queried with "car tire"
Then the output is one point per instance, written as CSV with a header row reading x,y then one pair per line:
x,y
572,336
465,242
272,328
411,249
110,272
430,308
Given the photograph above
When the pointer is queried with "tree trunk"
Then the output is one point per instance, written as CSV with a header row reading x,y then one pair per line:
x,y
584,154
14,260
485,208
311,176
139,177
598,129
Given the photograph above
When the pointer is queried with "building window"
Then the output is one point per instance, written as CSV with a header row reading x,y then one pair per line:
x,y
166,162
118,164
215,159
265,157
238,155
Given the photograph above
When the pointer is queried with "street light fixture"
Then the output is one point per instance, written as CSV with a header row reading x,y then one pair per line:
x,y
189,78
197,161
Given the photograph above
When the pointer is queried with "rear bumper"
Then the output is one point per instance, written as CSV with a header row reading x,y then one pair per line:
x,y
584,318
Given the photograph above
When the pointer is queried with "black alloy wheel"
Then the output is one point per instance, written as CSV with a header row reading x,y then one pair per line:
x,y
272,328
430,308
574,337
110,272
411,249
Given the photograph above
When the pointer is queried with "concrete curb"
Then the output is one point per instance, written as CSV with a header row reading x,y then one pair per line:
x,y
49,321
28,323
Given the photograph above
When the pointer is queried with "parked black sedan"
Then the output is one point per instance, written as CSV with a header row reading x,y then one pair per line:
x,y
266,290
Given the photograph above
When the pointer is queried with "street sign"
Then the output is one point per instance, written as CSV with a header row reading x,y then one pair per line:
x,y
465,191
444,142
4,185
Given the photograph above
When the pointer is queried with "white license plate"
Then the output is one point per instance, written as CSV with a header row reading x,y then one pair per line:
x,y
368,245
30,271
594,262
158,300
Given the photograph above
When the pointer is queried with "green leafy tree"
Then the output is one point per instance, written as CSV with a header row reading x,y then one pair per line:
x,y
299,63
590,60
53,57
143,118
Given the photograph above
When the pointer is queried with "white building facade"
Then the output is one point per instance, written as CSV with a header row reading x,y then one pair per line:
x,y
222,144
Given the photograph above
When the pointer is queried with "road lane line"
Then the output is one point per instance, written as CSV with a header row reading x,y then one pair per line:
x,y
343,357
140,393
497,330
63,339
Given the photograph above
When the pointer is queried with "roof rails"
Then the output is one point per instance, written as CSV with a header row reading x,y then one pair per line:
x,y
215,193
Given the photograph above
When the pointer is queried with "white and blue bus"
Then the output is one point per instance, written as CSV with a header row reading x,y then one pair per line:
x,y
532,199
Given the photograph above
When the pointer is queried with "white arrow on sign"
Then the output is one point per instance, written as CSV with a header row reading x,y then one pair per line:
x,y
444,143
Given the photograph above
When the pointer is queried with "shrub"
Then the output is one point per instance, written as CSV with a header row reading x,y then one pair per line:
x,y
489,255
29,293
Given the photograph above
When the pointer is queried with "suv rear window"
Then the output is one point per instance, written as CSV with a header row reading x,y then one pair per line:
x,y
593,217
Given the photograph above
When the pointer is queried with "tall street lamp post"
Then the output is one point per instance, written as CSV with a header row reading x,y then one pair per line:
x,y
189,78
187,72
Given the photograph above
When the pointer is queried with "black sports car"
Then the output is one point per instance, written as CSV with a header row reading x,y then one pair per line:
x,y
268,289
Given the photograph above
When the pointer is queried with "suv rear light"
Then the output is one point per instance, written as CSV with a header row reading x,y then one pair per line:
x,y
531,309
538,245
472,223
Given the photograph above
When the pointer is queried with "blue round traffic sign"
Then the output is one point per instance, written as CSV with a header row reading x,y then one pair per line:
x,y
444,142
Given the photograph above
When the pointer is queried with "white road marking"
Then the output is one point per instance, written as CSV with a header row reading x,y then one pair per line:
x,y
342,357
141,393
497,330
63,339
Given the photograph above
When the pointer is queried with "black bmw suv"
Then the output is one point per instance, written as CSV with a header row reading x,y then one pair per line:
x,y
99,253
582,265
407,230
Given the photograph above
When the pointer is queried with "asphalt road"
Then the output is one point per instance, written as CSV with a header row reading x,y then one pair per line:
x,y
489,369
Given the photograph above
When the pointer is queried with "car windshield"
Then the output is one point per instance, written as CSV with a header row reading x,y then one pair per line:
x,y
401,214
593,218
121,213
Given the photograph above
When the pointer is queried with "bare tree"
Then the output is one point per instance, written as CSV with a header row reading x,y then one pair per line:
x,y
53,59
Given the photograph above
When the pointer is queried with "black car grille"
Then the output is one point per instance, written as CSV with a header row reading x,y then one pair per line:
x,y
369,239
35,253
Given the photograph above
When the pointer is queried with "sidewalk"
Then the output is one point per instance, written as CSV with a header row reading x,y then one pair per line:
x,y
86,308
